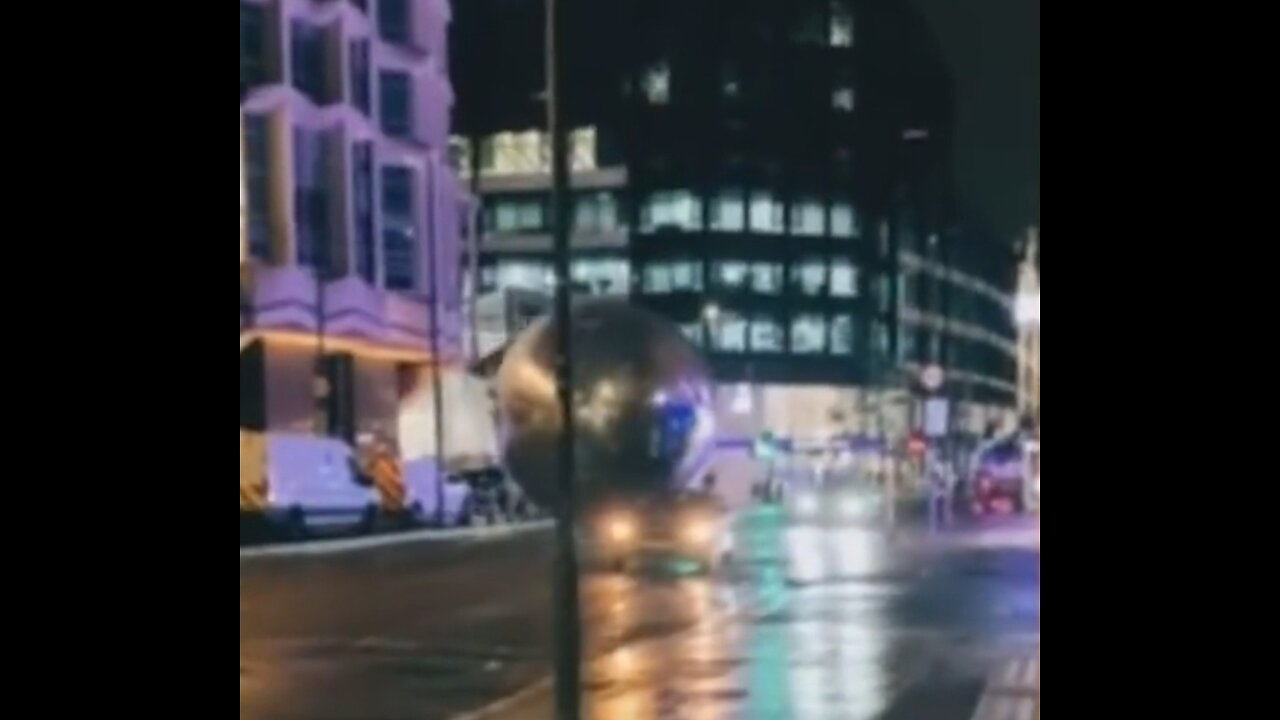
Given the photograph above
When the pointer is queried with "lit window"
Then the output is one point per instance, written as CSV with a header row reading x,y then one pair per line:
x,y
842,335
808,217
731,274
729,211
766,335
515,215
844,220
693,332
810,277
583,148
808,334
880,339
657,278
844,279
730,333
596,212
766,278
524,275
880,290
841,25
605,276
512,153
766,213
657,84
842,98
679,209
686,275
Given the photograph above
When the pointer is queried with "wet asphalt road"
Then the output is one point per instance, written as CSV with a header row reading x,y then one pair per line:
x,y
809,625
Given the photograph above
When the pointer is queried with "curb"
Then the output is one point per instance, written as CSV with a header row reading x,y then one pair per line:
x,y
335,547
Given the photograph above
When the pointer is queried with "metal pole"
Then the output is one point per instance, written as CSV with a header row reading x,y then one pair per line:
x,y
433,302
568,618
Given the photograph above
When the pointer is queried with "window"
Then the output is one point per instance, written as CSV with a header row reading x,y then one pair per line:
x,y
363,208
808,217
880,339
311,164
808,335
844,279
842,335
657,278
766,335
488,278
679,209
518,215
396,103
880,290
399,232
842,98
810,277
393,20
252,66
693,332
512,153
596,212
766,213
766,278
731,274
525,275
657,83
686,275
729,211
257,185
583,148
841,25
605,276
844,221
730,332
361,80
307,61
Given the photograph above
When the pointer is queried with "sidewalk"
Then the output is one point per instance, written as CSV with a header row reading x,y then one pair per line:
x,y
1014,691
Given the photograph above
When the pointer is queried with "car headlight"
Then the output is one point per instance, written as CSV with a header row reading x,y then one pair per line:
x,y
620,529
807,504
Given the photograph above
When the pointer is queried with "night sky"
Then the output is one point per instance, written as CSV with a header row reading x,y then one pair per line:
x,y
993,47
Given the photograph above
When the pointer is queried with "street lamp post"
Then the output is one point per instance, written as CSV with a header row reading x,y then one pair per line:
x,y
568,616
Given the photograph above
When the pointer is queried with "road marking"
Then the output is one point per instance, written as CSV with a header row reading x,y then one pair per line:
x,y
334,547
1014,691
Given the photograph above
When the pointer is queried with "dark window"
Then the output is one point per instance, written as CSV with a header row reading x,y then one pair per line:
x,y
252,66
399,233
257,170
311,165
362,185
362,4
393,20
396,103
361,92
307,61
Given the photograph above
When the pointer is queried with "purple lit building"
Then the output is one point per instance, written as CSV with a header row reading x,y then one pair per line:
x,y
351,220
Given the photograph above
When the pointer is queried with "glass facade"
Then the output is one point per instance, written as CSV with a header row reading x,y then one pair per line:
x,y
842,335
729,211
844,279
596,212
665,277
258,185
766,334
808,334
312,162
395,103
766,278
307,61
844,221
808,217
731,275
518,214
767,213
603,276
675,209
730,332
809,277
399,231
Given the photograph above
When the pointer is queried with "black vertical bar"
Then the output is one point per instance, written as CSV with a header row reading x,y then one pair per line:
x,y
568,618
433,299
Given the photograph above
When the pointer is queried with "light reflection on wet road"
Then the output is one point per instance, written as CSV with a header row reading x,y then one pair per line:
x,y
809,625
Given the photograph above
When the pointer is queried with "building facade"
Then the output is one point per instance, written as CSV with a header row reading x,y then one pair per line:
x,y
770,176
351,219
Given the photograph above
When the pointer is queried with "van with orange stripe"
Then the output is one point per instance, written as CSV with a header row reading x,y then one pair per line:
x,y
302,483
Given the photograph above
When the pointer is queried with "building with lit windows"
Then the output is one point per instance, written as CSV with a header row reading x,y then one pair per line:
x,y
351,218
773,177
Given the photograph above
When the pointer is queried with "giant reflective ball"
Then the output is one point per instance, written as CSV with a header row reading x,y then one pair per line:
x,y
642,406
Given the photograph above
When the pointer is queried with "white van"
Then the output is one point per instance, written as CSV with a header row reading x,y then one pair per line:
x,y
310,483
